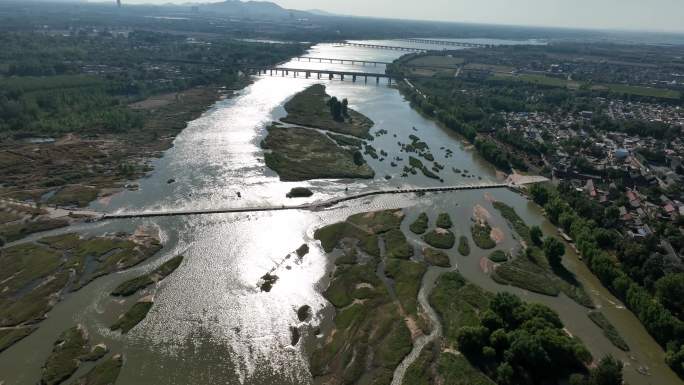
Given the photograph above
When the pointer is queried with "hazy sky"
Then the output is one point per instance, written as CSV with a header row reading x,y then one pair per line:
x,y
658,15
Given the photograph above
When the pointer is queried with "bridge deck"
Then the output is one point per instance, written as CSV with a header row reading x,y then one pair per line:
x,y
310,206
340,60
389,47
447,43
324,71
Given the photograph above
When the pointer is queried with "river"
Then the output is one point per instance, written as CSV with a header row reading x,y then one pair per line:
x,y
210,323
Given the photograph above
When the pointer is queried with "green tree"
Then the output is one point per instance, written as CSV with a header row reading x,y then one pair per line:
x,y
554,250
345,107
471,339
608,372
536,235
540,195
670,292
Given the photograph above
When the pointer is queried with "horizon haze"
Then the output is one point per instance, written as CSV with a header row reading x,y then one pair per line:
x,y
631,15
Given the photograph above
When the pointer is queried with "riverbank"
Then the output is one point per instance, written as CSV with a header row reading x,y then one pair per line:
x,y
74,170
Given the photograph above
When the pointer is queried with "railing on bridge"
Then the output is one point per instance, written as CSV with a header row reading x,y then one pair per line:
x,y
447,43
388,47
341,61
331,74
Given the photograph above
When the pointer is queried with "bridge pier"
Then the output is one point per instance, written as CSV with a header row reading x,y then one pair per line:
x,y
330,76
319,75
377,80
354,78
342,77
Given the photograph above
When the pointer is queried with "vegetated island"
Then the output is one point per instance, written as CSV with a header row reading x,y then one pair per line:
x,y
486,340
537,267
375,317
35,274
298,153
69,351
313,107
133,285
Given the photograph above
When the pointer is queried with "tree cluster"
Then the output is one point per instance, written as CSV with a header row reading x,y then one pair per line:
x,y
630,280
521,343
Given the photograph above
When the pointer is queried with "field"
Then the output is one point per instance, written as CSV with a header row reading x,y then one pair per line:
x,y
550,81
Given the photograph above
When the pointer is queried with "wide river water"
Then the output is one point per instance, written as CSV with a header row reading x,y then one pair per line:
x,y
210,323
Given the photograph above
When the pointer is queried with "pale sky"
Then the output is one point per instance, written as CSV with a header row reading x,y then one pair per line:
x,y
655,15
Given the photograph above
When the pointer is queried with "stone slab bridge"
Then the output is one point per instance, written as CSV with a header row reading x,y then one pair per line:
x,y
447,43
320,73
509,184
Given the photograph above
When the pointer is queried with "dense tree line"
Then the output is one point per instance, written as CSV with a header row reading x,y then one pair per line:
x,y
521,343
56,84
630,279
657,130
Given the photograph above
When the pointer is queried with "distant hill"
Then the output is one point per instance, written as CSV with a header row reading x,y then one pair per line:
x,y
256,9
320,12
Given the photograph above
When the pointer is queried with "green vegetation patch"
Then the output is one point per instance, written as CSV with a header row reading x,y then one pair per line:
x,y
75,195
463,246
457,303
420,371
105,255
62,242
407,276
30,277
514,219
104,373
16,231
498,256
343,140
9,337
456,370
440,238
420,225
298,154
310,108
436,257
528,271
299,192
525,273
608,330
65,357
363,227
132,317
133,285
396,245
481,233
444,221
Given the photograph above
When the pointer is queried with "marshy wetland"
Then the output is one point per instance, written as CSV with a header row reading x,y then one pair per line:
x,y
210,321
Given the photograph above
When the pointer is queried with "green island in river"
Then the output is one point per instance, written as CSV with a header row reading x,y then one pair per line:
x,y
302,153
487,338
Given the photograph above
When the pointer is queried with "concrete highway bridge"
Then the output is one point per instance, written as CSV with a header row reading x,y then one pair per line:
x,y
341,61
325,204
320,74
388,47
447,43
